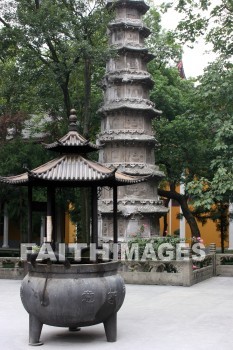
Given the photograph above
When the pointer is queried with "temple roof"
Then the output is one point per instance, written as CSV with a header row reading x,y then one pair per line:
x,y
72,142
127,208
72,170
128,23
126,135
130,103
138,169
128,77
142,7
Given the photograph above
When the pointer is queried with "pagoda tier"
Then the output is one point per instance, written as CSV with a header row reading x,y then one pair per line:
x,y
126,130
122,6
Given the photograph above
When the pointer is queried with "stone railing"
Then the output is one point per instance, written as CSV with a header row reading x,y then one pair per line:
x,y
203,269
11,268
224,265
174,272
184,272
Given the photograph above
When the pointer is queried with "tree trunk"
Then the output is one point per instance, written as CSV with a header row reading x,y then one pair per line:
x,y
87,97
182,200
189,217
66,96
224,223
222,233
165,222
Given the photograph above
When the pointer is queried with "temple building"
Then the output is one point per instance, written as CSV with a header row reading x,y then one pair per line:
x,y
126,130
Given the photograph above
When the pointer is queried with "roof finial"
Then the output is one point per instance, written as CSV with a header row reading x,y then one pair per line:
x,y
73,120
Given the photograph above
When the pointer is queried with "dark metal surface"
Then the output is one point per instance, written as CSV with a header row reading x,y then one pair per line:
x,y
88,294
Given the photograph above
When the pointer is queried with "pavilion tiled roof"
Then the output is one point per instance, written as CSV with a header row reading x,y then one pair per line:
x,y
71,170
72,142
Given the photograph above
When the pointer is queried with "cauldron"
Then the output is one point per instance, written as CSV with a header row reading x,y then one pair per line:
x,y
76,296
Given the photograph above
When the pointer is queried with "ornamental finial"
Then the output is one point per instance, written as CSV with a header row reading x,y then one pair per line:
x,y
73,120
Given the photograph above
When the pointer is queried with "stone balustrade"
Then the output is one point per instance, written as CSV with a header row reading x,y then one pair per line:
x,y
184,272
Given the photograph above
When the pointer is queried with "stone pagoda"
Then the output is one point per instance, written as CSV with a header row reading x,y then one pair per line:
x,y
126,129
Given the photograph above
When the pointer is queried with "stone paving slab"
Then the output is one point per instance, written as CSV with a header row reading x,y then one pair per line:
x,y
152,317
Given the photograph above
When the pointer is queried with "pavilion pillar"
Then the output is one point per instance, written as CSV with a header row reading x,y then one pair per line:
x,y
94,228
115,223
182,220
231,226
6,227
42,230
50,213
29,214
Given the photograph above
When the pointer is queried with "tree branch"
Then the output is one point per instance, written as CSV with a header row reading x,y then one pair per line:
x,y
37,4
52,50
5,23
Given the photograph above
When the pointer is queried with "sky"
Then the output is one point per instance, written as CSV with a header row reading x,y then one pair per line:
x,y
195,59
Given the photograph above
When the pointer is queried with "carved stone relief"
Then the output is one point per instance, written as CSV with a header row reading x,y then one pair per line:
x,y
115,156
133,63
150,157
135,155
121,227
134,122
107,229
132,36
120,12
148,126
117,123
132,13
141,40
134,91
143,65
119,36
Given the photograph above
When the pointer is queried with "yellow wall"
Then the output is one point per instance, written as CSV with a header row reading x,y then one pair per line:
x,y
209,234
70,230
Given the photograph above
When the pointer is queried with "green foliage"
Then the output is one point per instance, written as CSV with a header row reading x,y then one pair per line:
x,y
171,94
52,57
156,242
183,147
161,43
214,104
52,44
28,155
214,21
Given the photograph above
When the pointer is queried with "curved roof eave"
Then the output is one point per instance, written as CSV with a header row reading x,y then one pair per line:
x,y
72,142
74,171
132,3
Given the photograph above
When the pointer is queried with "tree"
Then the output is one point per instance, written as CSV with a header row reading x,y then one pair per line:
x,y
183,148
173,96
58,50
202,18
209,103
211,193
59,39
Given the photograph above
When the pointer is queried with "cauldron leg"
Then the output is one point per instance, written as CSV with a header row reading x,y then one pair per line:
x,y
110,326
35,327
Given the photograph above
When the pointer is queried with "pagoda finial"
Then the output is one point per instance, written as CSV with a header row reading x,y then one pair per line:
x,y
73,120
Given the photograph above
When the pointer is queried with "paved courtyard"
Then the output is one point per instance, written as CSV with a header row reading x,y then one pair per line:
x,y
152,317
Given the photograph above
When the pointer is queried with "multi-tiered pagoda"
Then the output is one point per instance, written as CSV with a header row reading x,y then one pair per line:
x,y
126,130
